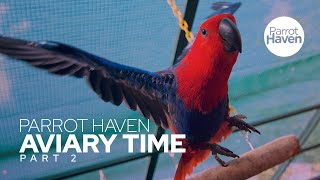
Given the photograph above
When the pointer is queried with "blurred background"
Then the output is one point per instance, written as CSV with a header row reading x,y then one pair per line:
x,y
284,91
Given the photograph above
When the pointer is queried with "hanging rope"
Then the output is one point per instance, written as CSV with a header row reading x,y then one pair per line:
x,y
182,23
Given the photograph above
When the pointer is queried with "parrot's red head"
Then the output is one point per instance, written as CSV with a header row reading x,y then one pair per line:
x,y
220,39
223,28
204,72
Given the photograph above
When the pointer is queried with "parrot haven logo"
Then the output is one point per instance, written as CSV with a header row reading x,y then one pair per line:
x,y
284,36
46,139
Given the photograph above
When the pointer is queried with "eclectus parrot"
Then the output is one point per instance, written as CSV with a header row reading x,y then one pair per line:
x,y
189,98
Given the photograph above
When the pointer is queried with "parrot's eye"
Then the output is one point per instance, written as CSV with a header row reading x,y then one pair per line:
x,y
204,32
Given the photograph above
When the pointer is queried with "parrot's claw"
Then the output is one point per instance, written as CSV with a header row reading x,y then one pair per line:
x,y
238,122
216,149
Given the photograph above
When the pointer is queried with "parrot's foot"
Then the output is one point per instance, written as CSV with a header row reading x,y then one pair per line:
x,y
240,124
216,149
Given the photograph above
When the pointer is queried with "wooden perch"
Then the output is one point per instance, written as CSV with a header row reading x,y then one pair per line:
x,y
254,162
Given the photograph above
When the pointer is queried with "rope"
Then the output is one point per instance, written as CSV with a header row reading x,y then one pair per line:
x,y
182,23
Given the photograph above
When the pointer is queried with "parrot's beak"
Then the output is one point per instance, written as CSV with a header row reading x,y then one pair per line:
x,y
230,35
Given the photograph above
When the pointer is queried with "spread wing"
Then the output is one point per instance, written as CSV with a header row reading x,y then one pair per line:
x,y
146,91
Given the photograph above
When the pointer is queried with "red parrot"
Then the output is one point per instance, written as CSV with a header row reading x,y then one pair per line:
x,y
189,98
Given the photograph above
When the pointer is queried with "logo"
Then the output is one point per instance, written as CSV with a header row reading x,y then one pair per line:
x,y
284,36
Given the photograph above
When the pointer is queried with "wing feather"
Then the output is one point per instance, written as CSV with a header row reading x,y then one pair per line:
x,y
140,90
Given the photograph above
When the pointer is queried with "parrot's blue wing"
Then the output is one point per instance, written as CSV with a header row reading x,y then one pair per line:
x,y
224,7
220,5
146,91
220,8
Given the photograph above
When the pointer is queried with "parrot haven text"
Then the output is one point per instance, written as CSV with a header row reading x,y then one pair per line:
x,y
283,36
130,125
